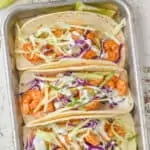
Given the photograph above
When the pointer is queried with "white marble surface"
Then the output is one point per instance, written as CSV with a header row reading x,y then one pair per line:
x,y
6,138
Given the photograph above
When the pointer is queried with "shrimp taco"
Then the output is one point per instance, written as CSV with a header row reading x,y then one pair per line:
x,y
81,90
99,133
70,38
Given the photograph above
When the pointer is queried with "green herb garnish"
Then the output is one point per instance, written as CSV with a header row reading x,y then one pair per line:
x,y
74,101
109,76
53,87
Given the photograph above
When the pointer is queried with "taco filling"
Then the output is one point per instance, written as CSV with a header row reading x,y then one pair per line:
x,y
51,44
74,91
84,134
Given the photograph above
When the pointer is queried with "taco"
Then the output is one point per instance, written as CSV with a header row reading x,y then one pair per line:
x,y
81,90
99,133
70,38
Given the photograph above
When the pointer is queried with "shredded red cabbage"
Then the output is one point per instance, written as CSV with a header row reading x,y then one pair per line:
x,y
35,84
65,100
92,124
68,73
80,42
113,104
29,144
84,50
81,81
111,145
91,147
102,49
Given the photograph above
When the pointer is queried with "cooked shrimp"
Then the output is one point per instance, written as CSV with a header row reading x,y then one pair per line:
x,y
60,148
90,36
110,84
94,105
95,82
92,139
90,54
33,58
112,50
51,107
58,32
80,31
107,128
30,100
122,87
67,139
120,130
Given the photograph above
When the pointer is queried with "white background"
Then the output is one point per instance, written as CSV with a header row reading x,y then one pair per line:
x,y
6,138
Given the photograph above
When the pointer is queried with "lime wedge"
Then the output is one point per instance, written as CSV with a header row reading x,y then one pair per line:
x,y
5,3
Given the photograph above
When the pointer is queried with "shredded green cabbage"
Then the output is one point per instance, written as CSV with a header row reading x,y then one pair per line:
x,y
109,76
77,128
47,136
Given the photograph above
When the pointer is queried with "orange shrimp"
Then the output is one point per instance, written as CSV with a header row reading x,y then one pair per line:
x,y
112,50
107,128
94,105
67,139
58,32
95,82
92,139
80,31
51,49
60,148
90,36
122,87
51,107
28,47
75,92
119,130
30,100
111,84
90,54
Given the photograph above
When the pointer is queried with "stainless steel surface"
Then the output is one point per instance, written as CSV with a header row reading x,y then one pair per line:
x,y
20,13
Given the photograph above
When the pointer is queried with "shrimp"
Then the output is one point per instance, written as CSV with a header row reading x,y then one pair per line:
x,y
107,128
60,148
122,87
28,48
51,107
90,54
112,50
58,32
92,139
94,105
119,130
30,100
95,82
111,84
80,31
67,139
50,50
90,36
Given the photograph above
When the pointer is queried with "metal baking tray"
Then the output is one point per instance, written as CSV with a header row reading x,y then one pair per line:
x,y
24,12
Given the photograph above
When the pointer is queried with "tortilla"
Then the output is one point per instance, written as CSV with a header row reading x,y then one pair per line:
x,y
74,93
89,20
77,131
